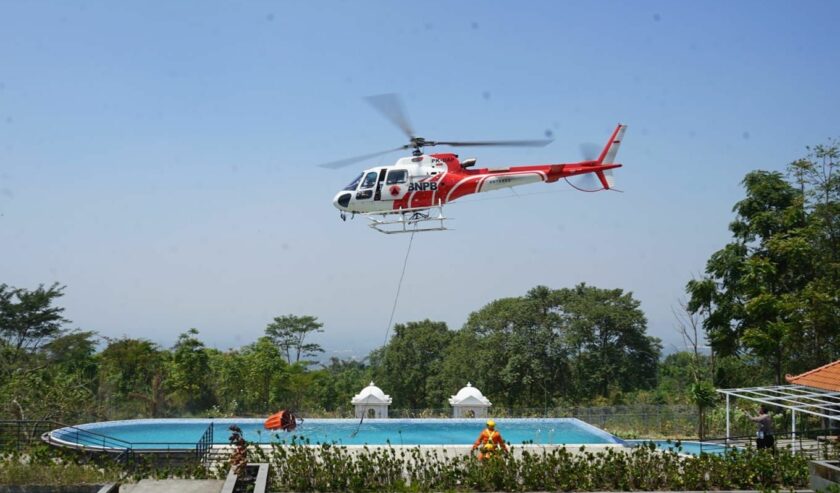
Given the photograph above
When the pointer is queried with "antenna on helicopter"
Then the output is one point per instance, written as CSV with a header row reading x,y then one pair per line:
x,y
391,107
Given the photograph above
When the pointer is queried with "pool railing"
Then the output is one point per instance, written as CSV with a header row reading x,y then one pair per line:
x,y
19,435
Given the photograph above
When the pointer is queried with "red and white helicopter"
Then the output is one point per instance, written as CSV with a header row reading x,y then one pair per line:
x,y
402,197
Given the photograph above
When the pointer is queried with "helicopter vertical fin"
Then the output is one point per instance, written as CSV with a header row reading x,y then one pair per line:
x,y
608,156
611,149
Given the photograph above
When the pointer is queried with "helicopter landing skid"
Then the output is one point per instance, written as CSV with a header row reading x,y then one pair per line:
x,y
409,221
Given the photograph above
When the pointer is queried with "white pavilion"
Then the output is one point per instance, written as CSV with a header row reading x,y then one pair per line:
x,y
371,402
469,402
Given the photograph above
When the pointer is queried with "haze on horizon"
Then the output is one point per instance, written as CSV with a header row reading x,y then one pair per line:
x,y
159,158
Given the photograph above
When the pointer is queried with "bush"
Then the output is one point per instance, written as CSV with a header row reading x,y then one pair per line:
x,y
301,467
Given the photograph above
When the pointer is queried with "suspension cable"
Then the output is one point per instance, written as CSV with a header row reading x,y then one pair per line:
x,y
399,286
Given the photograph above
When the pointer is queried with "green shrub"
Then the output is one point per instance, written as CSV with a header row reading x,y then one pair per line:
x,y
302,467
299,466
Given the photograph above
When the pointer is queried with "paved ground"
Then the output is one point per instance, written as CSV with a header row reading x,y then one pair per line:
x,y
174,486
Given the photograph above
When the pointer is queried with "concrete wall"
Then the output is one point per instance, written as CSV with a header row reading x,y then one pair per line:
x,y
823,474
379,410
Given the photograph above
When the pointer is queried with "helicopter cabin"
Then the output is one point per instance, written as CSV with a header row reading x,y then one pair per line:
x,y
376,189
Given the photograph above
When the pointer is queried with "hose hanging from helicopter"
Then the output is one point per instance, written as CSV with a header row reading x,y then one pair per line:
x,y
391,318
399,286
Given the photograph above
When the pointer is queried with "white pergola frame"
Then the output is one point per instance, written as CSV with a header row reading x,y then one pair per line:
x,y
797,398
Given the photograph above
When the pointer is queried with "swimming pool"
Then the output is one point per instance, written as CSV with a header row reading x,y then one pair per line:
x,y
184,433
683,447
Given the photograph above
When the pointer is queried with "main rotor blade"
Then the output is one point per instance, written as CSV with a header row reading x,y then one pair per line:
x,y
391,107
500,143
346,162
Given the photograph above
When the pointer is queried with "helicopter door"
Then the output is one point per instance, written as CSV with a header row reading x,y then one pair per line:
x,y
366,188
396,185
378,194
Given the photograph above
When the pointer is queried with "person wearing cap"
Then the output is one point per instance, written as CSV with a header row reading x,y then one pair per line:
x,y
489,440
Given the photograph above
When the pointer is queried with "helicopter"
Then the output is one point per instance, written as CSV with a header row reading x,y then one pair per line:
x,y
409,195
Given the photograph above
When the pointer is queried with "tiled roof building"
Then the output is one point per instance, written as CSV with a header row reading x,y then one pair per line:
x,y
826,377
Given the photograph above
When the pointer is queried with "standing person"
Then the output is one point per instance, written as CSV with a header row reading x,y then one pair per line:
x,y
765,428
489,440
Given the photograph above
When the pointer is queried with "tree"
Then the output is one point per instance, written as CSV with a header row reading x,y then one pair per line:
x,y
154,396
134,370
298,386
818,305
59,384
28,319
608,332
73,352
701,390
747,286
704,396
289,332
46,395
341,380
676,375
229,373
45,373
774,290
410,362
189,371
514,349
265,372
550,345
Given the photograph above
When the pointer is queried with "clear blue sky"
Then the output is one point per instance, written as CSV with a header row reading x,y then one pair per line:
x,y
158,157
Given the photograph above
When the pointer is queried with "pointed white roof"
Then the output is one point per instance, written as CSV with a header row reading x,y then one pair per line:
x,y
469,396
371,395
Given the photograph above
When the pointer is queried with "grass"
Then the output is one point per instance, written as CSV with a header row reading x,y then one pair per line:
x,y
18,472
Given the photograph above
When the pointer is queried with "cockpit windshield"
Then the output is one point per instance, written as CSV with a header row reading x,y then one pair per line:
x,y
355,183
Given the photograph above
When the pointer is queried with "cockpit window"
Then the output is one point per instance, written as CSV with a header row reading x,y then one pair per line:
x,y
355,183
370,180
396,176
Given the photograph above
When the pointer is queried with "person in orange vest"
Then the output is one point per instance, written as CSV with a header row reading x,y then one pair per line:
x,y
489,440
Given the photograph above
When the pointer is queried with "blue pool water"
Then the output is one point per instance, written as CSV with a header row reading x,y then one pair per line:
x,y
151,433
690,448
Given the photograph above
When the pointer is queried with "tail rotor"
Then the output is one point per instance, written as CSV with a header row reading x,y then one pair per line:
x,y
597,180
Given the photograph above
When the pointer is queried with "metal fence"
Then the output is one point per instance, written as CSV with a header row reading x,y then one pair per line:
x,y
204,445
21,436
819,444
627,421
17,435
